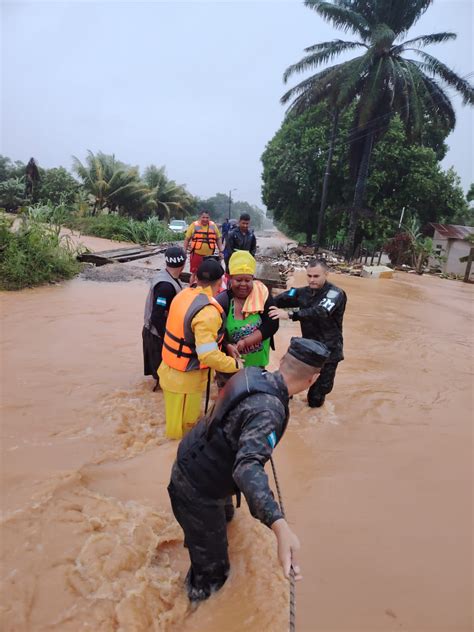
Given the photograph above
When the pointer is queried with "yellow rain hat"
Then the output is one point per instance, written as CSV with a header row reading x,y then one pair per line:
x,y
242,262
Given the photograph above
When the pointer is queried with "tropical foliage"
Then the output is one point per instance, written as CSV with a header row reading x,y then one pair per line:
x,y
33,254
113,185
393,75
403,175
171,199
12,193
410,247
119,228
57,186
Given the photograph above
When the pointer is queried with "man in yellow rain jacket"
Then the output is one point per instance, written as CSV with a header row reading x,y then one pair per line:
x,y
194,331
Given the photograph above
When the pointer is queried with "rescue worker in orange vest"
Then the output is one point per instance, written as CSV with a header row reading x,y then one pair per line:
x,y
202,238
194,329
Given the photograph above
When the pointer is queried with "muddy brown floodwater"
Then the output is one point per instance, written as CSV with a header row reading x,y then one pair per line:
x,y
377,483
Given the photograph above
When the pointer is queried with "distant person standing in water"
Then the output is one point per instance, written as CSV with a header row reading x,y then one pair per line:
x,y
321,307
240,238
163,288
225,229
202,238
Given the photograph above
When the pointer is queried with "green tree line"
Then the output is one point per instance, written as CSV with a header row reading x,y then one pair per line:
x,y
392,78
103,184
403,174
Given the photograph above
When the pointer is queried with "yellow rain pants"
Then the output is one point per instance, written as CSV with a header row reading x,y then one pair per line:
x,y
182,411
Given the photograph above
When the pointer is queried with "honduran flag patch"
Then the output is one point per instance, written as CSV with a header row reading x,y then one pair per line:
x,y
272,439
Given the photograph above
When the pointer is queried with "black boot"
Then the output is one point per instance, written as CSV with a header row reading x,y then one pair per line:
x,y
229,509
316,402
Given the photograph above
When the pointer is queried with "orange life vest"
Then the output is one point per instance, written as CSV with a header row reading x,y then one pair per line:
x,y
201,236
179,345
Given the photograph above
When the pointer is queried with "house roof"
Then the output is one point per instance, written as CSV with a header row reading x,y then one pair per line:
x,y
453,231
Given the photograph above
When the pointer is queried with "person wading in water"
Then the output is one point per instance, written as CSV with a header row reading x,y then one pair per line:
x,y
163,288
321,311
225,454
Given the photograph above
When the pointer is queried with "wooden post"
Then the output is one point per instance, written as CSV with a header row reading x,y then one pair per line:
x,y
469,264
366,255
373,257
380,256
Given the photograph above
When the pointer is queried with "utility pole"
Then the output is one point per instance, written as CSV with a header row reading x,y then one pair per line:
x,y
230,201
401,218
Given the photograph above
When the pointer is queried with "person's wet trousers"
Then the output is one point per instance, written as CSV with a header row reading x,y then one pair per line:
x,y
323,385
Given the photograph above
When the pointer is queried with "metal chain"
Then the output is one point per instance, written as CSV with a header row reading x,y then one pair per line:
x,y
292,623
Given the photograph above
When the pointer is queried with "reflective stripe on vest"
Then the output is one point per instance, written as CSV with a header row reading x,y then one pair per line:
x,y
200,237
179,345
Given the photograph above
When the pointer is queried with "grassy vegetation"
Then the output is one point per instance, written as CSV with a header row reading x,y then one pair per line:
x,y
116,227
36,253
33,254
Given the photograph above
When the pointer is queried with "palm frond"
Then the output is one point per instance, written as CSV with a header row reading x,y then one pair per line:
x,y
332,49
353,75
402,14
436,67
315,83
342,17
424,40
436,101
319,47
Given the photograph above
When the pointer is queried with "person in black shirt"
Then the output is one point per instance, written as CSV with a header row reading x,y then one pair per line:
x,y
321,310
163,288
240,238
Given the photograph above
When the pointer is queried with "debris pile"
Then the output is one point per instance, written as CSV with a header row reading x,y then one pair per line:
x,y
296,258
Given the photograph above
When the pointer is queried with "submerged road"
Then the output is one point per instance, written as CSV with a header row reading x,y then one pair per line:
x,y
377,483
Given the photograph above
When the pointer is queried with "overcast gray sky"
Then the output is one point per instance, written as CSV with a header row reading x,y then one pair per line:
x,y
191,85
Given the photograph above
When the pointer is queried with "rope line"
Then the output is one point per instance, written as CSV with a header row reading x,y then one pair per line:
x,y
292,621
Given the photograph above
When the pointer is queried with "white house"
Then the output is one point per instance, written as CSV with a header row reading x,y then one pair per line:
x,y
449,240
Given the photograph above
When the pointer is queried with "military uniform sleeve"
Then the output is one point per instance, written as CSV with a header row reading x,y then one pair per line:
x,y
163,294
269,326
334,300
288,298
253,245
205,326
257,439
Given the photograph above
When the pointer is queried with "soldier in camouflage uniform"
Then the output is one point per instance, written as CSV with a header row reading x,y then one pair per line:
x,y
321,310
225,454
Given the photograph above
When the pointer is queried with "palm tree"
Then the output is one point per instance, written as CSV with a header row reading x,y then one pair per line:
x,y
113,184
169,196
380,82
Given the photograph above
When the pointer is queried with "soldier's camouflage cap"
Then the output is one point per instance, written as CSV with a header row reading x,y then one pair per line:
x,y
310,352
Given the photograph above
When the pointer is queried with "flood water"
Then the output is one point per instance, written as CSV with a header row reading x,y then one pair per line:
x,y
377,483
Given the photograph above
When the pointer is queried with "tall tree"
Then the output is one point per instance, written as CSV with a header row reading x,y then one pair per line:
x,y
403,174
114,185
381,82
170,198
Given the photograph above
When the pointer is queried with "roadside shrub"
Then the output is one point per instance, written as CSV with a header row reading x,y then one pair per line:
x,y
119,228
33,255
399,249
